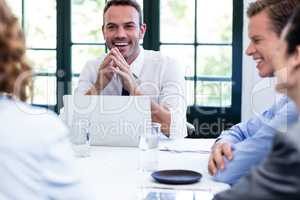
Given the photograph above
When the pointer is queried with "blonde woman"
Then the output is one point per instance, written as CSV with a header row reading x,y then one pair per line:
x,y
35,157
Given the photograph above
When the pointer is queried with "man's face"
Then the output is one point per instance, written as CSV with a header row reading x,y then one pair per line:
x,y
263,40
121,29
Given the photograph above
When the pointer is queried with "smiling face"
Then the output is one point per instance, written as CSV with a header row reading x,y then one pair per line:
x,y
263,40
121,29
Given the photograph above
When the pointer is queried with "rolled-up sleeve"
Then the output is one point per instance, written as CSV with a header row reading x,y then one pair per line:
x,y
87,77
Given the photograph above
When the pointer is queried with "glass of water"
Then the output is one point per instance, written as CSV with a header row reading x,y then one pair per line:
x,y
149,148
80,138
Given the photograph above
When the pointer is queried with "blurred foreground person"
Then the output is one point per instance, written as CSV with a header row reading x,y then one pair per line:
x,y
36,160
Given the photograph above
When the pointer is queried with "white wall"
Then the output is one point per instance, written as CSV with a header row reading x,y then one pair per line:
x,y
257,93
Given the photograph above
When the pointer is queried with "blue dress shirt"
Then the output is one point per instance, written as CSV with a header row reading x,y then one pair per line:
x,y
277,177
251,141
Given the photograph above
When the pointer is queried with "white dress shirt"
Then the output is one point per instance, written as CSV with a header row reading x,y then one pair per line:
x,y
36,160
156,75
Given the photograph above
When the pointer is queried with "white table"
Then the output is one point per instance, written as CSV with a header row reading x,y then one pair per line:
x,y
113,172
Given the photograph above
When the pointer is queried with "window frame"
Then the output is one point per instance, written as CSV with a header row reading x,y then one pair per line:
x,y
22,21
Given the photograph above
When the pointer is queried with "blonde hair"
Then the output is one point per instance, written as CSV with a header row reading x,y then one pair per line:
x,y
12,56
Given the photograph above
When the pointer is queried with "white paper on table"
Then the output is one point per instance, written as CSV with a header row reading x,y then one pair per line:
x,y
186,145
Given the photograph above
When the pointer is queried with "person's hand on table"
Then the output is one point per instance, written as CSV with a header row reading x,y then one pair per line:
x,y
216,161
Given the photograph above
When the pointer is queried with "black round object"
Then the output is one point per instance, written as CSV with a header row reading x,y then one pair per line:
x,y
176,177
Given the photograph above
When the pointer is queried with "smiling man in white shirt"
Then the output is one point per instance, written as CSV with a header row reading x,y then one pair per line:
x,y
128,69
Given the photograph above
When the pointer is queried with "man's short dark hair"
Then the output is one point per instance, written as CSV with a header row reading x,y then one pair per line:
x,y
279,11
131,3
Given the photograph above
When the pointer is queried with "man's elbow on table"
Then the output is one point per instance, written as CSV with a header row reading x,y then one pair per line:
x,y
172,126
162,115
165,122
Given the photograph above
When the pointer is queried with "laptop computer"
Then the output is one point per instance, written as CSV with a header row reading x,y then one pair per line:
x,y
110,120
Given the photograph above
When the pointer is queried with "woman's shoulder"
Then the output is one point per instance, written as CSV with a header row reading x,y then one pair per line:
x,y
30,123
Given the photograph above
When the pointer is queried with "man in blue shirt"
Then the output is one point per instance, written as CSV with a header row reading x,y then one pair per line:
x,y
278,176
245,145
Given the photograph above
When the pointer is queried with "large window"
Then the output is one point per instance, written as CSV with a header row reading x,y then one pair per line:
x,y
204,36
206,39
204,44
39,25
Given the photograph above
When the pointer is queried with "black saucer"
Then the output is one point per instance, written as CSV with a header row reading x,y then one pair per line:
x,y
176,177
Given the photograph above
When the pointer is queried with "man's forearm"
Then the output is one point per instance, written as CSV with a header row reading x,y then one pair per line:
x,y
94,90
97,87
159,114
